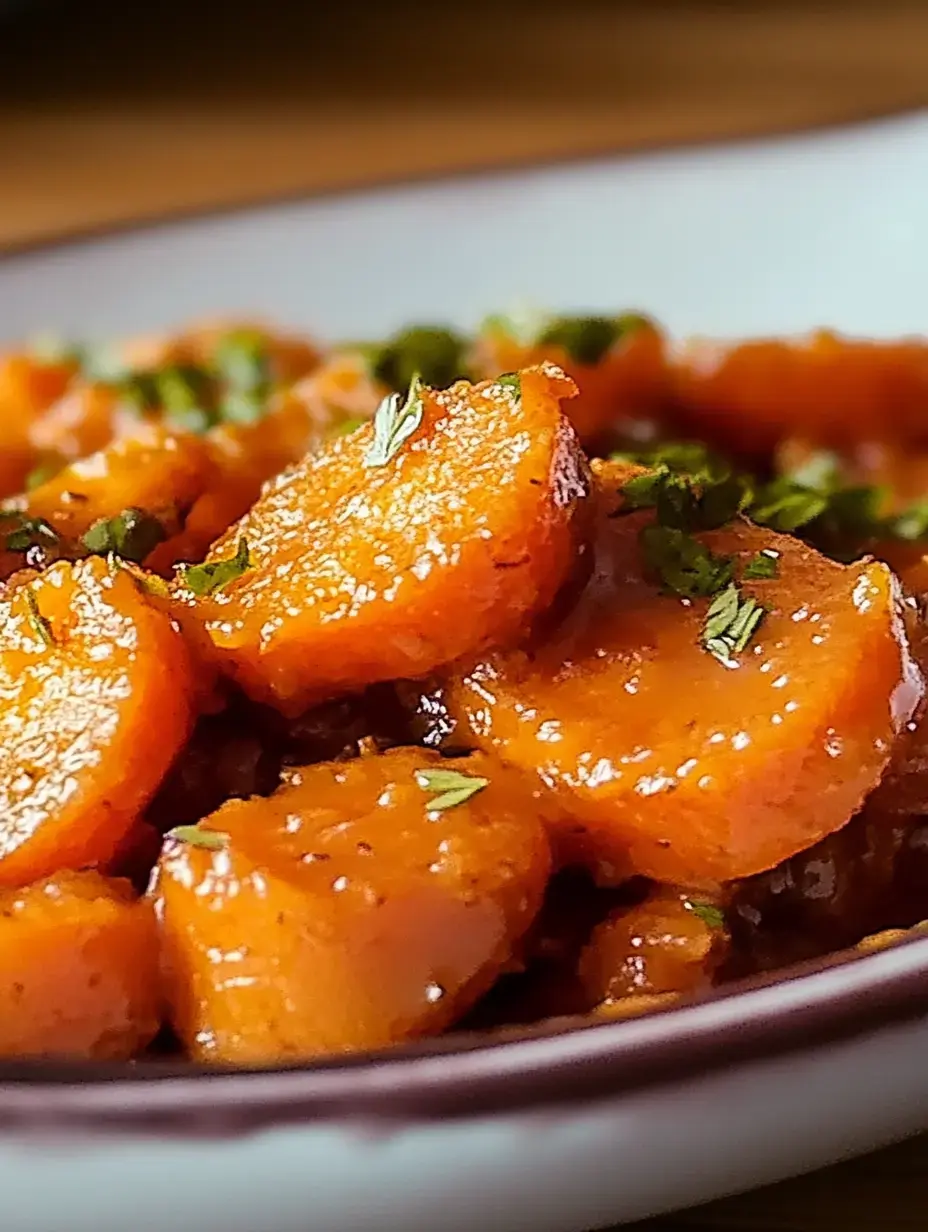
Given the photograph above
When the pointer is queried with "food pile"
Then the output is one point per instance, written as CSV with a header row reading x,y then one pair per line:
x,y
351,694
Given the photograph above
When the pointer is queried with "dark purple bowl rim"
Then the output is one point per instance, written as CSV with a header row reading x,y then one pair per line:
x,y
464,1076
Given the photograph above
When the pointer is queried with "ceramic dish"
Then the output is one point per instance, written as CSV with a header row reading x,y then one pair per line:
x,y
572,1129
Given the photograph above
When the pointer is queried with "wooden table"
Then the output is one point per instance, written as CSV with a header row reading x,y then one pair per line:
x,y
112,112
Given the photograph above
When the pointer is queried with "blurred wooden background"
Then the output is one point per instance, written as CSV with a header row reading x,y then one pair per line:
x,y
112,112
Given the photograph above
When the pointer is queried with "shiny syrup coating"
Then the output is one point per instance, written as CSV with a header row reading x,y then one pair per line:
x,y
665,761
661,945
343,912
362,573
78,970
96,688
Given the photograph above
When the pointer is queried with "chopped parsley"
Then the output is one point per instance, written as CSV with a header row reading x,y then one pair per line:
x,y
511,380
132,535
761,565
395,420
213,575
43,473
731,621
451,787
683,565
434,353
586,340
40,624
196,836
708,913
28,532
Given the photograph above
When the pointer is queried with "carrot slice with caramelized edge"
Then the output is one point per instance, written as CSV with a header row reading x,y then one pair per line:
x,y
78,970
748,396
366,903
669,761
96,686
617,362
443,528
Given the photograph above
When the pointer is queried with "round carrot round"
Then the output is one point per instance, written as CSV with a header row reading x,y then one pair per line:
x,y
399,547
79,972
96,686
687,766
365,903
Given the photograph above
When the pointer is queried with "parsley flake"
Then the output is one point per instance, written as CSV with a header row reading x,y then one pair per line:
x,y
196,836
452,787
434,353
762,565
511,381
708,913
731,622
132,535
683,565
28,532
586,340
395,420
39,623
212,575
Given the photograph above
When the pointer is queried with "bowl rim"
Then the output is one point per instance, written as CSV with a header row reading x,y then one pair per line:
x,y
814,1005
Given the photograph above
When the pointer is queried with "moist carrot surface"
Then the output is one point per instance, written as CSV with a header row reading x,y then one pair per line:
x,y
358,906
28,387
374,560
669,943
96,686
78,970
665,760
624,379
829,389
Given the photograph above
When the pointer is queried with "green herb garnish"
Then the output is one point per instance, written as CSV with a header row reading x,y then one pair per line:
x,y
28,532
39,623
432,352
731,622
587,339
242,364
395,420
212,575
708,913
132,534
452,787
511,380
42,474
196,836
684,566
761,565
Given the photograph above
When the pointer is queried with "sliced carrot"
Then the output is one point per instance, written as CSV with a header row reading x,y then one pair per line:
x,y
832,390
96,685
665,760
28,387
628,382
361,571
352,909
78,970
670,943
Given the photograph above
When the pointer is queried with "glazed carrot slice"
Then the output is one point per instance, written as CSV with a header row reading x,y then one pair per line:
x,y
618,365
78,970
669,761
28,387
96,686
363,904
748,396
388,553
670,943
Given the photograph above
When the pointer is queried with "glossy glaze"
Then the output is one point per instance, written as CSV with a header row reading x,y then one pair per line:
x,y
665,761
345,913
93,714
361,574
